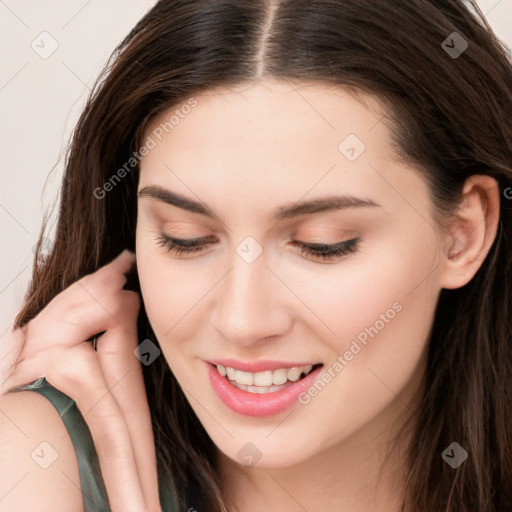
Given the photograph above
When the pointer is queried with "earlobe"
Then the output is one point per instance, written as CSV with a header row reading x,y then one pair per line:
x,y
472,231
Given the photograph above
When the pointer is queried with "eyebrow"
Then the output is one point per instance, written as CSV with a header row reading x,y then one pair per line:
x,y
312,206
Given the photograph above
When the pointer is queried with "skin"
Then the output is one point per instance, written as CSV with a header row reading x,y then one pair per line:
x,y
244,152
107,386
285,305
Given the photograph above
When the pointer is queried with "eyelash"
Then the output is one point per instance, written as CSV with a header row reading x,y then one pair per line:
x,y
324,251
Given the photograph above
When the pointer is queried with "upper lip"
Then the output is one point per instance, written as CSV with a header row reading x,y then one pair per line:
x,y
257,366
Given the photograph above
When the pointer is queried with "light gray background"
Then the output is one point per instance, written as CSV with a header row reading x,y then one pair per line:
x,y
40,99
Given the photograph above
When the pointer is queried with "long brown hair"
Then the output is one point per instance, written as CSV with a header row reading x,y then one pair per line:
x,y
451,118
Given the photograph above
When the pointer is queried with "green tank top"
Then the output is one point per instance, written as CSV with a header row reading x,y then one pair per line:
x,y
92,485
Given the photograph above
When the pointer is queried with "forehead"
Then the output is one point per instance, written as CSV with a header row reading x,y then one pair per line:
x,y
273,112
274,139
274,115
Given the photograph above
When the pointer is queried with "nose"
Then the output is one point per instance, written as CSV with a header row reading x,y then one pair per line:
x,y
251,303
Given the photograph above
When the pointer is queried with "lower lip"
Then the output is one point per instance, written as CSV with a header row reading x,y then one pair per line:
x,y
255,404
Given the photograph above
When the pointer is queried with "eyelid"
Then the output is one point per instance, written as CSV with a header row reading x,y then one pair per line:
x,y
329,252
208,239
190,241
319,235
322,251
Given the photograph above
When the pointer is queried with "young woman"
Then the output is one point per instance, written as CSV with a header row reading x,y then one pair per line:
x,y
314,311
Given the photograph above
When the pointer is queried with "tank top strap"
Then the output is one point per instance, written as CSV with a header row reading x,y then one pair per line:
x,y
94,493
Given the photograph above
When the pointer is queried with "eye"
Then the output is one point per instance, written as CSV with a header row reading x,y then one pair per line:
x,y
184,246
328,251
181,246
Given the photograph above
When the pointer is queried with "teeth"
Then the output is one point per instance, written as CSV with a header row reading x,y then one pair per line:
x,y
261,390
279,377
263,378
293,374
254,382
245,378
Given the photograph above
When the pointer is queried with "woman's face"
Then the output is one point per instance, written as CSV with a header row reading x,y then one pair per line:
x,y
256,173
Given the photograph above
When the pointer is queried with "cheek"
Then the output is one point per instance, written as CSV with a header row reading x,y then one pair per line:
x,y
158,286
387,294
381,312
163,304
167,294
174,298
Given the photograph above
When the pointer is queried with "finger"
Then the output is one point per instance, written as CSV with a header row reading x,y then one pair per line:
x,y
122,263
71,324
113,274
123,375
93,283
86,308
114,447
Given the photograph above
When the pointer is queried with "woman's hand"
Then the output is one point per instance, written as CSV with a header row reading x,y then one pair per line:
x,y
107,385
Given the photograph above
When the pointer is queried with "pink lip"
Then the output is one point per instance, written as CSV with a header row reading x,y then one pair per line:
x,y
256,366
254,404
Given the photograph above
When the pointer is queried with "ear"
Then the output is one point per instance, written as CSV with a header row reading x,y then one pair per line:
x,y
471,232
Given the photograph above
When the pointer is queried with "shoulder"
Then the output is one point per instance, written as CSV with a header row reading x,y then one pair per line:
x,y
38,465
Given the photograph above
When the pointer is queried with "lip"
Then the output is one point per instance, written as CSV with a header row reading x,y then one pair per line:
x,y
257,366
254,404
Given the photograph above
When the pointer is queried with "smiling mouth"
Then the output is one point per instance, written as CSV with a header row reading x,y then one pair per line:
x,y
264,382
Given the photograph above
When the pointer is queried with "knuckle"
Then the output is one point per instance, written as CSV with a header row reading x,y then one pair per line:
x,y
84,282
72,372
77,313
114,305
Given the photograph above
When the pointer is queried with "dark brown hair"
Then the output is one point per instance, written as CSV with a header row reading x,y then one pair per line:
x,y
451,118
